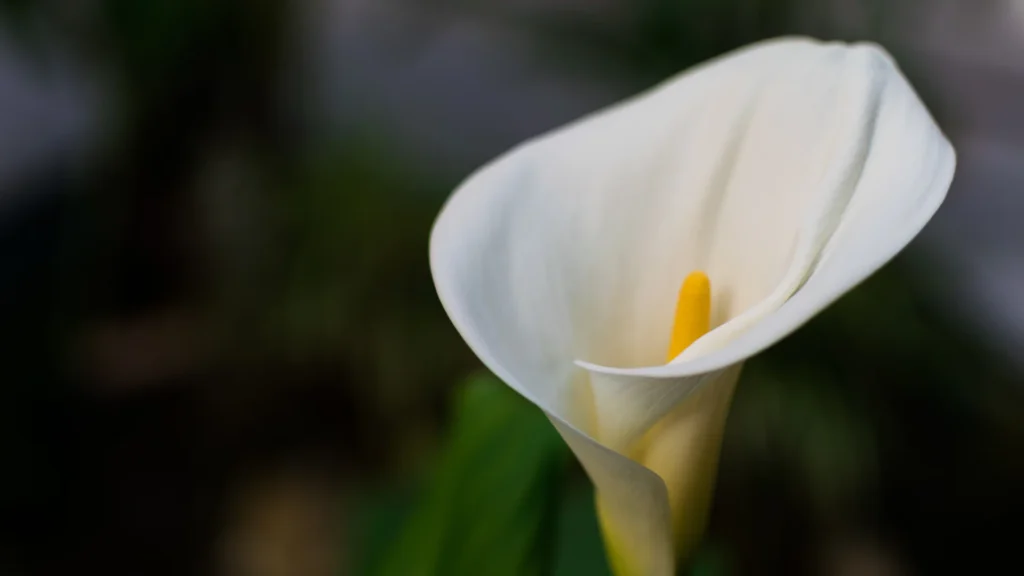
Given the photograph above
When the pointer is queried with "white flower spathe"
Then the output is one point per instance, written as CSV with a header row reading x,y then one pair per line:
x,y
788,171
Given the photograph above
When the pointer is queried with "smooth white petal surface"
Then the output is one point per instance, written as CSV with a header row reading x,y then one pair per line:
x,y
789,171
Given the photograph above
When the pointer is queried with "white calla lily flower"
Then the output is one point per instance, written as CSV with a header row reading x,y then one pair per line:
x,y
787,172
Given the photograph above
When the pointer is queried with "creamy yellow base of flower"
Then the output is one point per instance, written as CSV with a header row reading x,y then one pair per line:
x,y
620,561
683,448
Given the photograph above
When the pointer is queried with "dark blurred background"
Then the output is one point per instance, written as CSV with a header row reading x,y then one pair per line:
x,y
220,348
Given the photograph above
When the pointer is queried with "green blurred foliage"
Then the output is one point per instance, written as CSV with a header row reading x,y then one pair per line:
x,y
580,548
491,506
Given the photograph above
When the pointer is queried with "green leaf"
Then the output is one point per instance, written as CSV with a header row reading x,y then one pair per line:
x,y
580,547
492,506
